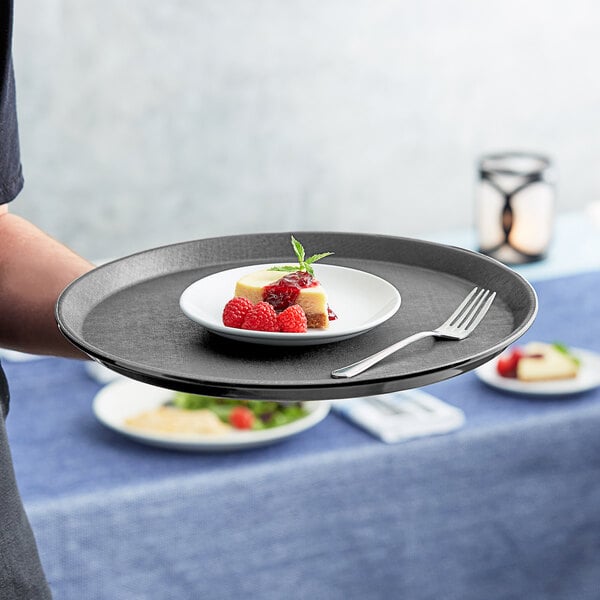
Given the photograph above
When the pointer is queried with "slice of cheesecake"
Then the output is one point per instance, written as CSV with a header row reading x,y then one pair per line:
x,y
282,290
543,362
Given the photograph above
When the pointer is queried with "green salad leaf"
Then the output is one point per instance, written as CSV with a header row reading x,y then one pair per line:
x,y
267,414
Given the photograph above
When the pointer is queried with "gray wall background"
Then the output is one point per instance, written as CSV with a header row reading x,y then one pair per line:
x,y
145,123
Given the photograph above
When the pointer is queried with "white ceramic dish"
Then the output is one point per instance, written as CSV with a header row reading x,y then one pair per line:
x,y
125,398
587,378
360,300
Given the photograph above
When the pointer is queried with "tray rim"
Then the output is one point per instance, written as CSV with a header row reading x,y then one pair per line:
x,y
337,388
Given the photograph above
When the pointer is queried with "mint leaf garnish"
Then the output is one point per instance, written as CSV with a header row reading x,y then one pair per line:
x,y
298,249
286,268
563,349
316,257
303,264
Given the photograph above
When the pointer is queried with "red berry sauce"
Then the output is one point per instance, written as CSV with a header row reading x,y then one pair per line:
x,y
285,291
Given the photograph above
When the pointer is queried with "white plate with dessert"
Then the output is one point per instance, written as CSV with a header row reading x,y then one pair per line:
x,y
540,368
155,416
343,303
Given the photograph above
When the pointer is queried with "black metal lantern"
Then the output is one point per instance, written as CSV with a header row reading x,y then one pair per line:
x,y
515,206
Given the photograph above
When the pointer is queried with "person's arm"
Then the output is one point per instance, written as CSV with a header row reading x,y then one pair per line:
x,y
34,269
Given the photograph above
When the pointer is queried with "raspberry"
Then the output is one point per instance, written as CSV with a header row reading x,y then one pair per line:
x,y
507,363
261,317
235,311
241,417
292,320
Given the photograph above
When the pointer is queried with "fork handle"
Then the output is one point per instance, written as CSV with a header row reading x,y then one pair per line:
x,y
369,361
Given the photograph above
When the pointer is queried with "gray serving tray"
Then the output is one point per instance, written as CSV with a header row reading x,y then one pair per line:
x,y
126,315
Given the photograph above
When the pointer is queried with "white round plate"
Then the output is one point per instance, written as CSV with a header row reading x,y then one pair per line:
x,y
587,378
120,400
360,300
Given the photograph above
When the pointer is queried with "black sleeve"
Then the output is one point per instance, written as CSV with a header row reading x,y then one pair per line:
x,y
11,176
21,573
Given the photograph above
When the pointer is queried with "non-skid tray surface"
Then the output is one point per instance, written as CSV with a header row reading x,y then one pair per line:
x,y
126,315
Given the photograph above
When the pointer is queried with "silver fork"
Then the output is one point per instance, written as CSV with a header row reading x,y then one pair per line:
x,y
460,324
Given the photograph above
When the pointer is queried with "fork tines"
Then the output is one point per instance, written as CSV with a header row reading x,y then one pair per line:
x,y
471,310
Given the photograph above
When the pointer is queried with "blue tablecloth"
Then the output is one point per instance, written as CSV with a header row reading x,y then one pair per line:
x,y
506,508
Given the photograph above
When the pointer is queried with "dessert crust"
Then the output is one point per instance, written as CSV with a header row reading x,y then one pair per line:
x,y
317,321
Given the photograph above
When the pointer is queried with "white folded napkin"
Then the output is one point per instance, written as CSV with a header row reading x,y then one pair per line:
x,y
401,416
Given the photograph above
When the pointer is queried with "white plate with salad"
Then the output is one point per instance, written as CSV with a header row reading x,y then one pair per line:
x,y
194,423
